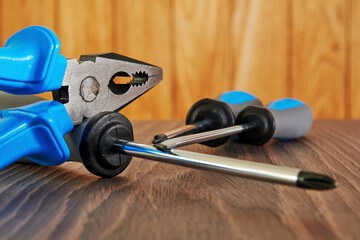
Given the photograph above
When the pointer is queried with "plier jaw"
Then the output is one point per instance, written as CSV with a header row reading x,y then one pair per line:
x,y
89,85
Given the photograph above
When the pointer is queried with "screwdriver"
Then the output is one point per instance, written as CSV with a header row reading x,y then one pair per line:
x,y
210,114
260,171
107,145
284,119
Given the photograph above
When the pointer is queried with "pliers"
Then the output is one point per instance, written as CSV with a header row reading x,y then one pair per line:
x,y
30,63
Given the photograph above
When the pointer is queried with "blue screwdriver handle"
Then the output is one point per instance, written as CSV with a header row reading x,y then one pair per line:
x,y
238,100
35,132
293,118
30,62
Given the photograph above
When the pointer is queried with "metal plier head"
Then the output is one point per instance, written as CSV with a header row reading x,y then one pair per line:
x,y
89,85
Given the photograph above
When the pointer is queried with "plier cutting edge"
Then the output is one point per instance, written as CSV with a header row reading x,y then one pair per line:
x,y
30,63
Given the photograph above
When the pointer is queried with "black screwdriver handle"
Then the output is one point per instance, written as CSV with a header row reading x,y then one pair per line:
x,y
211,114
220,112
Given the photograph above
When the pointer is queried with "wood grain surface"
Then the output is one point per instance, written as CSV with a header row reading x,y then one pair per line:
x,y
151,200
271,48
202,51
259,43
320,64
84,27
143,36
24,13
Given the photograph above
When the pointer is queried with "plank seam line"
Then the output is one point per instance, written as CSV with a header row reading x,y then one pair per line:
x,y
347,60
172,30
289,50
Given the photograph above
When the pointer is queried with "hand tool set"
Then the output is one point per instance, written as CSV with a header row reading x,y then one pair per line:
x,y
82,124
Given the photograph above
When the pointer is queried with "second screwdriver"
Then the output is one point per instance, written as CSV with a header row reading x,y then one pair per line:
x,y
210,114
283,119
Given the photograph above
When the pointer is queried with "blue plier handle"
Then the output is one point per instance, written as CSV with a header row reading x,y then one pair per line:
x,y
30,63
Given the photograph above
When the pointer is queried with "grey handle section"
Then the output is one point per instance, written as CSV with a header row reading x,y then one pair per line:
x,y
8,100
293,122
237,108
238,100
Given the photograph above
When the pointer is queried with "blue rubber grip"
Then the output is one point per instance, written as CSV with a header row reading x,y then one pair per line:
x,y
30,62
236,97
35,132
293,118
238,100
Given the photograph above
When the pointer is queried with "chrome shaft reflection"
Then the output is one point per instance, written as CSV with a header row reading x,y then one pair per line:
x,y
238,167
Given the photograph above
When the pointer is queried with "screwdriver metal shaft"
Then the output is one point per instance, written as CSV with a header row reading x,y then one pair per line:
x,y
261,171
187,129
203,136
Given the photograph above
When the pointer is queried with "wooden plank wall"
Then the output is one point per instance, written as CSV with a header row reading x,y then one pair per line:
x,y
307,49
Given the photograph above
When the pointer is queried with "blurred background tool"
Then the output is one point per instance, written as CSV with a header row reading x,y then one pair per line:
x,y
283,119
210,114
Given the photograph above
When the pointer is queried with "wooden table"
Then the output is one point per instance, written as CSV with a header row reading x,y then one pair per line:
x,y
151,200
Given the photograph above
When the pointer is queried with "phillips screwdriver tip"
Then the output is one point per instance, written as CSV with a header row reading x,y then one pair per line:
x,y
315,181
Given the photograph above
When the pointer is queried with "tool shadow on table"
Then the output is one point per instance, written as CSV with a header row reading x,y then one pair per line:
x,y
156,200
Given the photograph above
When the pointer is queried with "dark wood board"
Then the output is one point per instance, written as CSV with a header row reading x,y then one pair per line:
x,y
151,200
